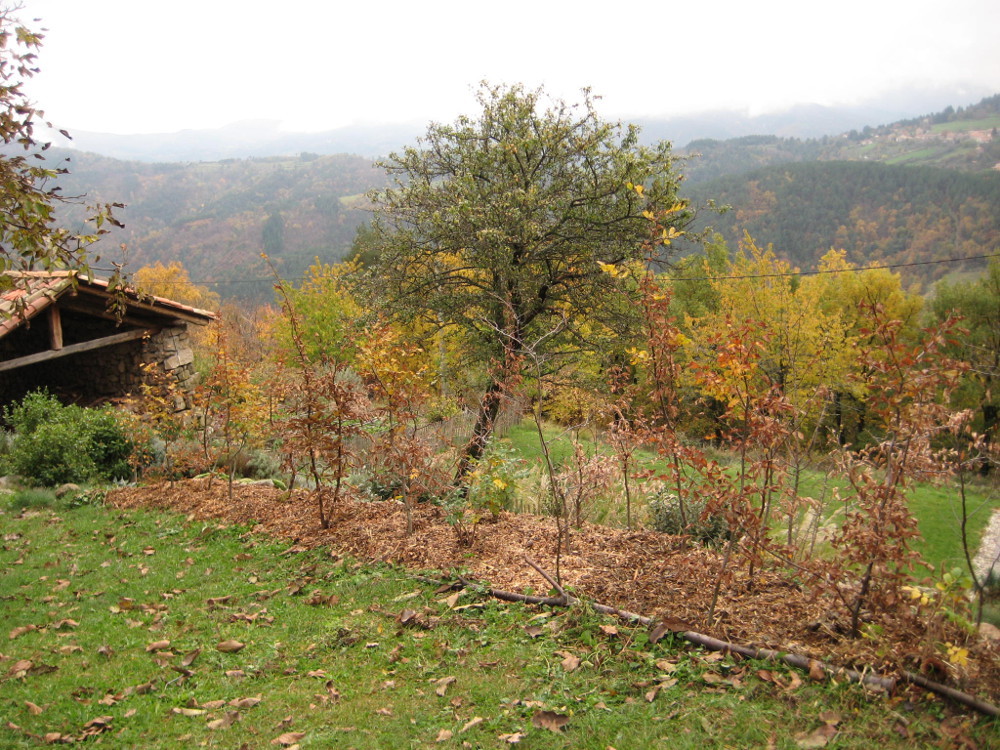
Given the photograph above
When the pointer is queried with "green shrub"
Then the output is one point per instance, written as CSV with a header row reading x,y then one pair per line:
x,y
665,517
53,444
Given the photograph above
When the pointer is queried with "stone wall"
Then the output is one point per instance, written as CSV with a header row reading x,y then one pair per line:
x,y
171,348
111,372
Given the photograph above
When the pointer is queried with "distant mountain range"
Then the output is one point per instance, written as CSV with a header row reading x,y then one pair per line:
x,y
921,188
263,138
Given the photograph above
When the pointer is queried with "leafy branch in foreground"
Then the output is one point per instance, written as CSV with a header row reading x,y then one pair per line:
x,y
30,238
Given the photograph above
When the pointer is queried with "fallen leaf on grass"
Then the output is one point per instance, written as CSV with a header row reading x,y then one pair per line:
x,y
230,646
651,694
20,669
816,672
19,631
410,595
570,661
815,739
189,657
96,726
158,646
71,649
471,723
549,720
794,681
452,600
246,702
188,711
33,708
442,685
511,739
384,711
288,738
225,722
830,717
533,631
609,629
444,735
667,625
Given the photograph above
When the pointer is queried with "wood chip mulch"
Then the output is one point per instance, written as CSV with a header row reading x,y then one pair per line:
x,y
641,571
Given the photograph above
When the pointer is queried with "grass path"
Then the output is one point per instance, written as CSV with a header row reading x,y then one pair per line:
x,y
114,622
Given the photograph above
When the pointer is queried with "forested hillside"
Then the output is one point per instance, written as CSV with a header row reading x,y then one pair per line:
x,y
217,217
913,191
963,140
878,213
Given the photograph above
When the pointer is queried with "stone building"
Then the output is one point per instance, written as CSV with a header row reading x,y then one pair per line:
x,y
58,331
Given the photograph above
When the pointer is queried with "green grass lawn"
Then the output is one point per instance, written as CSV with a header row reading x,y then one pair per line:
x,y
936,507
986,123
113,621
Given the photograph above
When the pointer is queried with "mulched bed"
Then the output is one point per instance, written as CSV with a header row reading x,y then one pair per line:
x,y
642,571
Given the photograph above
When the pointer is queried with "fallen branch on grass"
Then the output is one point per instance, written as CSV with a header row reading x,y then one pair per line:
x,y
812,666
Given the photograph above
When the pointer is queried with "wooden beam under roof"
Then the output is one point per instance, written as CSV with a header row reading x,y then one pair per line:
x,y
83,346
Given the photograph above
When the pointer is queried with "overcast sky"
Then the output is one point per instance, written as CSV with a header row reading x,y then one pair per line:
x,y
153,66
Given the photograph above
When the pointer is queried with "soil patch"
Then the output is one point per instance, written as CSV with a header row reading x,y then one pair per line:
x,y
642,571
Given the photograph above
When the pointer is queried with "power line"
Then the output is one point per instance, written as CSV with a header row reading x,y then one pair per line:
x,y
818,272
784,274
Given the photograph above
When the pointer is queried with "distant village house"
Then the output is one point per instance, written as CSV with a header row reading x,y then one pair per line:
x,y
57,332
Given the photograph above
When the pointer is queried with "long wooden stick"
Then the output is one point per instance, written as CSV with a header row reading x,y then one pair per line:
x,y
956,695
870,679
552,582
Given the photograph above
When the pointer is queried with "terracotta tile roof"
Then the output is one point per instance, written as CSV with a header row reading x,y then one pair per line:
x,y
35,291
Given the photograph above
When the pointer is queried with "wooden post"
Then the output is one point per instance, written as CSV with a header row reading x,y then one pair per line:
x,y
55,328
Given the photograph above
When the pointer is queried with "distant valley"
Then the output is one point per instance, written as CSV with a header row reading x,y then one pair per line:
x,y
919,189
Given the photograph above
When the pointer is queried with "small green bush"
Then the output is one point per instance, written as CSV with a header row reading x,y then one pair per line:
x,y
86,498
665,516
492,485
53,444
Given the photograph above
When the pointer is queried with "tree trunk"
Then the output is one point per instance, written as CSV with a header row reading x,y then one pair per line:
x,y
489,410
